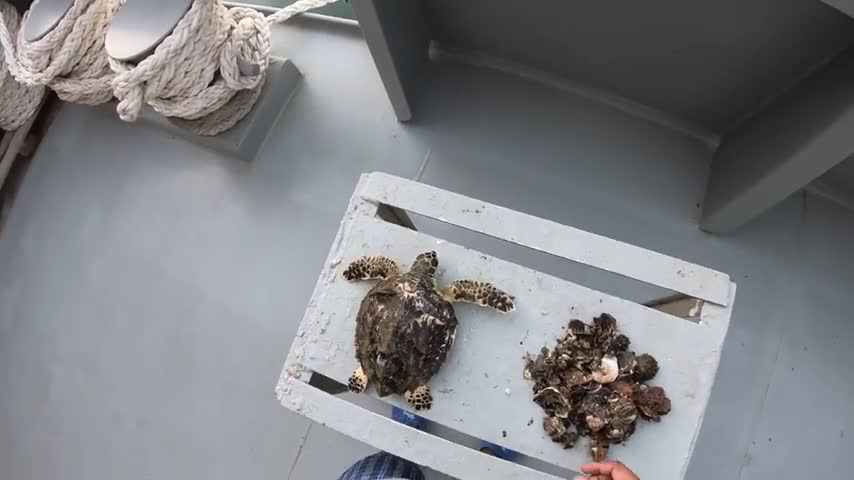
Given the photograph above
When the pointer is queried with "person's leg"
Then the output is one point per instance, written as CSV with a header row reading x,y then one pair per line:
x,y
386,464
383,466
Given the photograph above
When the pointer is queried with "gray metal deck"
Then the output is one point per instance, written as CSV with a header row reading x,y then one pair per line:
x,y
149,288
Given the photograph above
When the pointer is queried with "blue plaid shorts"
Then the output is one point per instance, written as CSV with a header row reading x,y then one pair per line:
x,y
383,466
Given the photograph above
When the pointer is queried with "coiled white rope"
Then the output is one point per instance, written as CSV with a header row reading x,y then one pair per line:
x,y
194,76
70,59
17,102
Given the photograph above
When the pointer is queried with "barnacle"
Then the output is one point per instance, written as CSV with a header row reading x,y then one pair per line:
x,y
652,402
645,367
552,402
607,371
591,384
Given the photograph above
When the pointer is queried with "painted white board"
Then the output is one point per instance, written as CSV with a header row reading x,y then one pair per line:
x,y
480,391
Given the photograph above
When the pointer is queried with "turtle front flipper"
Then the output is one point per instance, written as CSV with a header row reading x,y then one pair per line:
x,y
481,293
420,398
371,268
358,381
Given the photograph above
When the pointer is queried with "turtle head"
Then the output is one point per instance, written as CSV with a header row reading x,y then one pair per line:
x,y
425,264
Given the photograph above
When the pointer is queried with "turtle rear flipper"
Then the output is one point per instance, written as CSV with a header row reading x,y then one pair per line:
x,y
358,381
371,268
481,293
420,398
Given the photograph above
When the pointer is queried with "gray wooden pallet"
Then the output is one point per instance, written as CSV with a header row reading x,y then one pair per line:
x,y
480,391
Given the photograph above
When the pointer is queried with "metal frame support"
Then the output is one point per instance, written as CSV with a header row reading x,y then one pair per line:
x,y
782,149
398,39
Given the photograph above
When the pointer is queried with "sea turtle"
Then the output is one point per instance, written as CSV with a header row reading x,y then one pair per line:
x,y
406,324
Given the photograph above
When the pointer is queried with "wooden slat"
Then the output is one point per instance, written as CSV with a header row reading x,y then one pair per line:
x,y
550,237
398,439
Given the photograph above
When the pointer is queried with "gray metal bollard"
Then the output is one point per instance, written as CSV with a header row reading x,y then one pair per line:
x,y
141,25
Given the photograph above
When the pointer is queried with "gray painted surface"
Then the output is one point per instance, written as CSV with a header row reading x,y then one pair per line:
x,y
846,6
784,148
149,289
397,37
176,336
841,176
710,63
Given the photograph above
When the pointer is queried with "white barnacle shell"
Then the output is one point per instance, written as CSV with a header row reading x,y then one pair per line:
x,y
551,398
608,370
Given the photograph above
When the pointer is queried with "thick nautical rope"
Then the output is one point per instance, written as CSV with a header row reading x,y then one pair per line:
x,y
17,102
194,77
70,59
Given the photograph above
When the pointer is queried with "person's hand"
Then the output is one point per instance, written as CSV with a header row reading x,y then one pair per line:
x,y
608,471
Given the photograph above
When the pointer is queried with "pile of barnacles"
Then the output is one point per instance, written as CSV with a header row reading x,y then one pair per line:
x,y
591,384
